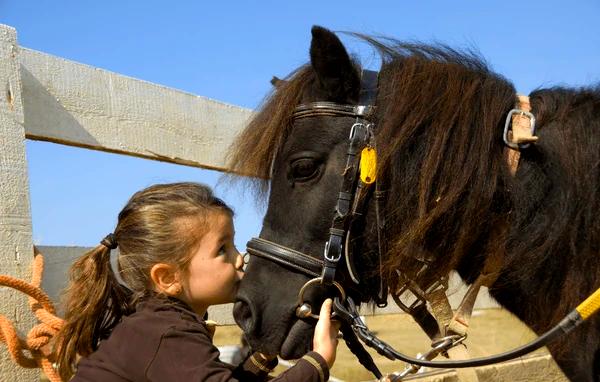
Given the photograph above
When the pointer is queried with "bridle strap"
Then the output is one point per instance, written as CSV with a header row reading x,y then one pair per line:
x,y
331,109
356,347
339,226
519,132
380,198
360,135
364,109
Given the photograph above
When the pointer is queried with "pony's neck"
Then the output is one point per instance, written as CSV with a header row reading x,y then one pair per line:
x,y
525,297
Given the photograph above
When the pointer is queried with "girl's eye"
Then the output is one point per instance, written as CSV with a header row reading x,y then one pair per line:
x,y
222,251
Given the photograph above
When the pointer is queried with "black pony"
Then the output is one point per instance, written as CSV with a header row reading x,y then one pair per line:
x,y
451,197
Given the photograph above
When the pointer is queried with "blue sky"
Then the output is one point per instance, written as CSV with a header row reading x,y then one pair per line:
x,y
229,51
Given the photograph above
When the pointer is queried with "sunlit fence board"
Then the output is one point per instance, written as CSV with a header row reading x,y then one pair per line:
x,y
79,105
15,217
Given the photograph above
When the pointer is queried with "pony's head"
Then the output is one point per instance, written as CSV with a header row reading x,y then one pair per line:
x,y
304,160
426,161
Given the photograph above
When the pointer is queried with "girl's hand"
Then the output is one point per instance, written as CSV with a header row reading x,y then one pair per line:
x,y
325,339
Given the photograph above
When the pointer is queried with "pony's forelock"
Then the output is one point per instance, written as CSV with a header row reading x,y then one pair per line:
x,y
254,150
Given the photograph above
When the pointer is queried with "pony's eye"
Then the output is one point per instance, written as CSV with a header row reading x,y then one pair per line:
x,y
303,169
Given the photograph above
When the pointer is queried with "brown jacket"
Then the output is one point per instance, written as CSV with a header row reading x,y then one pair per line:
x,y
164,340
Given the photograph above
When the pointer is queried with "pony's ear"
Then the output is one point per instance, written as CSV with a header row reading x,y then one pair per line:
x,y
336,74
277,82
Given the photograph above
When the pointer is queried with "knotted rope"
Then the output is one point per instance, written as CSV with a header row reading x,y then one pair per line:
x,y
38,338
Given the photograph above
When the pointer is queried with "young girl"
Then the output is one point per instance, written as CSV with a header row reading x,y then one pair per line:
x,y
176,258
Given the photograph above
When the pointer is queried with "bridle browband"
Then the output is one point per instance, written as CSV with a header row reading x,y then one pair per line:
x,y
350,206
331,109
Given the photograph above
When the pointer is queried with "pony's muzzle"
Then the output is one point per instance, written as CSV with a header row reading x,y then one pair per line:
x,y
242,313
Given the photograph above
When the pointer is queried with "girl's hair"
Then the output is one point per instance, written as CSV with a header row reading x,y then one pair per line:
x,y
160,224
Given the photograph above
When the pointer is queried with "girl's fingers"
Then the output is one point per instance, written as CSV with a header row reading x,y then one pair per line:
x,y
326,308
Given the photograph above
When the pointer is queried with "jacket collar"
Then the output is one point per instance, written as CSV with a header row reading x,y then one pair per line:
x,y
157,303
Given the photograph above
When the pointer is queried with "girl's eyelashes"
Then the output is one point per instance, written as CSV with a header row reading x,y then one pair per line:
x,y
227,249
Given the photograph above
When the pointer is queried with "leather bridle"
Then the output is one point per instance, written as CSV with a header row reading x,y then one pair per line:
x,y
349,206
350,200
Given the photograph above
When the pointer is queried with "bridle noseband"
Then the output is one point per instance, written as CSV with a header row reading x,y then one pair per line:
x,y
285,256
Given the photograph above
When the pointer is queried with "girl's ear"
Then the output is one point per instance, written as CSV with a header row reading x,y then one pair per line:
x,y
166,279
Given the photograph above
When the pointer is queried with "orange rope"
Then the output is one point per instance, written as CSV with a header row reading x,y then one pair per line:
x,y
38,338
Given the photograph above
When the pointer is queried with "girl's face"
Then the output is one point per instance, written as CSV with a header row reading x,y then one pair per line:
x,y
215,269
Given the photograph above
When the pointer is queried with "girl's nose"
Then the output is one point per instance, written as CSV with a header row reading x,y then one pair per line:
x,y
239,261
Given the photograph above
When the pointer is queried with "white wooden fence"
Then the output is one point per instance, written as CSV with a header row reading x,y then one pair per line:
x,y
48,98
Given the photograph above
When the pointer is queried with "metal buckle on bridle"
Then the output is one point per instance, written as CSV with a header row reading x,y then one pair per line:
x,y
332,255
362,127
359,127
419,294
304,309
439,346
334,246
507,135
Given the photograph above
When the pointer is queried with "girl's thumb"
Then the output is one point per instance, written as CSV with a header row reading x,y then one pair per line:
x,y
326,308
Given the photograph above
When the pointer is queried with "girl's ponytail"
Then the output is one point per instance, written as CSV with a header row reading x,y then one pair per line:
x,y
94,302
160,224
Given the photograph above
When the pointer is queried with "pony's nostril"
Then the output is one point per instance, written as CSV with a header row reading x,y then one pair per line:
x,y
243,316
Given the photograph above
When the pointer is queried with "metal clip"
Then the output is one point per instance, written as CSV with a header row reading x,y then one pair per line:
x,y
419,294
439,346
415,291
356,128
508,129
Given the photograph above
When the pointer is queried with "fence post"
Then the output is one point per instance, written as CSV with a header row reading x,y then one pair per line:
x,y
15,217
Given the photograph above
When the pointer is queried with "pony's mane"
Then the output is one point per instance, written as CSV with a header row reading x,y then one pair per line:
x,y
440,121
440,147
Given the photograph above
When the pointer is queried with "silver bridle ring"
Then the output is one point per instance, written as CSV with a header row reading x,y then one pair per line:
x,y
304,310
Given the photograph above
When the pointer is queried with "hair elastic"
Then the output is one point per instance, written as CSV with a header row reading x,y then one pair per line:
x,y
109,241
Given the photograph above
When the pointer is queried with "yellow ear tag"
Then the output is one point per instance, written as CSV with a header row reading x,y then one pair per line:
x,y
368,165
